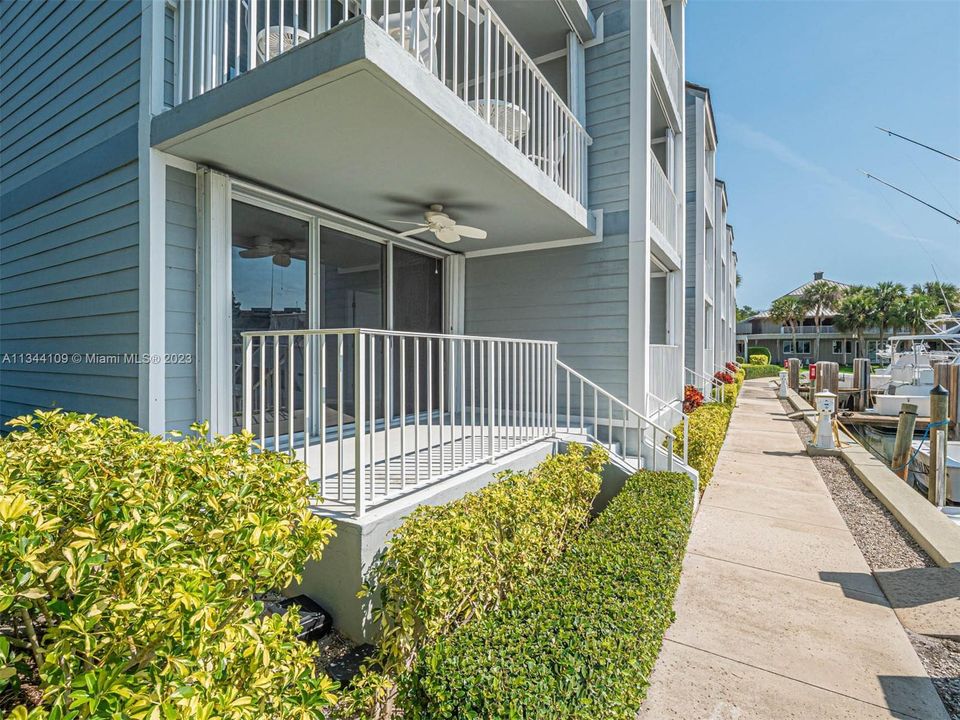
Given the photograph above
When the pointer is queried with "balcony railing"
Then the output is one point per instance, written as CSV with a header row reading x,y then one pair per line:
x,y
663,205
666,51
376,414
463,43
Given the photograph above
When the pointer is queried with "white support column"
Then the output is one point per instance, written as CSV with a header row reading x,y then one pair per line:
x,y
151,395
454,276
576,78
214,316
638,256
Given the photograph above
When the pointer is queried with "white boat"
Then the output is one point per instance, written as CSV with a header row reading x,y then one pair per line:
x,y
910,371
921,464
891,404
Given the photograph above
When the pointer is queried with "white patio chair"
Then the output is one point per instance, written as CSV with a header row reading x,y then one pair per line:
x,y
415,28
552,166
273,36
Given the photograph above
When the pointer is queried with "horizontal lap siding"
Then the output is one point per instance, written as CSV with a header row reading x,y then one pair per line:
x,y
181,285
576,296
69,238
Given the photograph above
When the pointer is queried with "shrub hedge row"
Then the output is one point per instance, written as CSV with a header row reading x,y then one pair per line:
x,y
580,639
761,371
449,564
707,427
758,351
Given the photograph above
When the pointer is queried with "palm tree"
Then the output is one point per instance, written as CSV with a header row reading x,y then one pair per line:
x,y
789,310
887,296
855,313
821,296
945,296
915,309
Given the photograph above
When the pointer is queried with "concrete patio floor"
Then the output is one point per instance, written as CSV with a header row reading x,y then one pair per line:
x,y
778,614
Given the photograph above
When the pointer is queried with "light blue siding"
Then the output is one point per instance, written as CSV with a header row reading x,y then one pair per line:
x,y
181,291
70,81
69,236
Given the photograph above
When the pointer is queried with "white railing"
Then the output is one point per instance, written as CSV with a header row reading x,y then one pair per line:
x,y
375,413
627,434
666,52
671,414
712,389
463,43
663,205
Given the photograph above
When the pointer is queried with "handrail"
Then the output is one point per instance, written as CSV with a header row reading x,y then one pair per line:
x,y
712,381
611,424
684,418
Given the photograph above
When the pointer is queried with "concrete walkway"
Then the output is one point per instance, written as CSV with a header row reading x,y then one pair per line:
x,y
778,615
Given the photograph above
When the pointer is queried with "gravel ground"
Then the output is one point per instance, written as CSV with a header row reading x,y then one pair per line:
x,y
886,545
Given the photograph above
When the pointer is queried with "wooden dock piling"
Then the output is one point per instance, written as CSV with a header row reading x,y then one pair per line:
x,y
861,383
793,368
903,445
828,377
948,375
936,480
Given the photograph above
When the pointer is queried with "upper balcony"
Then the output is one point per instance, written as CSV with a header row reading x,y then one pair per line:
x,y
666,59
379,108
664,210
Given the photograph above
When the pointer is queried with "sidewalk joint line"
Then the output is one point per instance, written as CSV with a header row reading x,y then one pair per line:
x,y
797,680
797,577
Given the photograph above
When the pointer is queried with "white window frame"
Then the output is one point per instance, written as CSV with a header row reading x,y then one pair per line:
x,y
214,281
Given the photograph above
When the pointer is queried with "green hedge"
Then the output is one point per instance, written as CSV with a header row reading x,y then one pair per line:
x,y
758,351
761,371
708,427
579,640
451,563
759,359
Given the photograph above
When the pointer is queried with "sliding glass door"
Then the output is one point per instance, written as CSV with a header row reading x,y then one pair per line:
x,y
292,272
269,256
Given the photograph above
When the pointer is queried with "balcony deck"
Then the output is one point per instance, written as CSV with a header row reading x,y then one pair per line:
x,y
354,118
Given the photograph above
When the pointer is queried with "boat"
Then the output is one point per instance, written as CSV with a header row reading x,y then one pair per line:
x,y
921,465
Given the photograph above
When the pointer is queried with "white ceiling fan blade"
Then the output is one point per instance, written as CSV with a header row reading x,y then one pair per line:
x,y
439,219
471,232
447,235
415,231
407,222
257,252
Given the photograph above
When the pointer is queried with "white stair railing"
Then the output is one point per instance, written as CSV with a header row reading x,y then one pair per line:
x,y
713,390
627,433
375,414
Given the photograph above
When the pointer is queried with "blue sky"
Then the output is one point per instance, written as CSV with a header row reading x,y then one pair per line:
x,y
797,88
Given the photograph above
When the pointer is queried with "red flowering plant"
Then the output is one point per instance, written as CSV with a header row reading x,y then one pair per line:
x,y
732,367
724,377
692,399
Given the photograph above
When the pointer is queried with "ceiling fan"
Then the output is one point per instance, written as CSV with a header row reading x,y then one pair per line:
x,y
280,249
444,228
